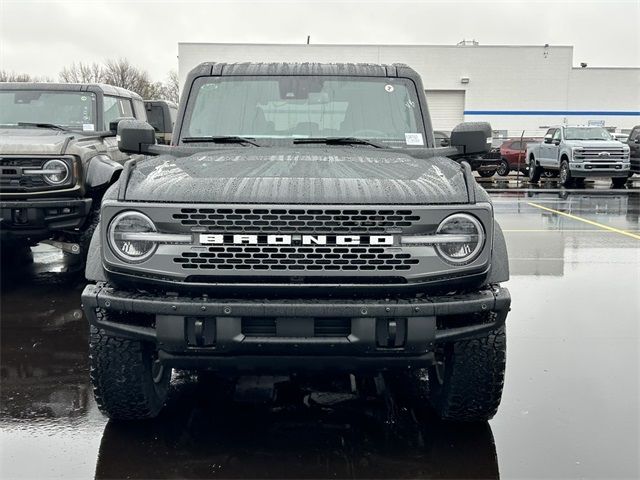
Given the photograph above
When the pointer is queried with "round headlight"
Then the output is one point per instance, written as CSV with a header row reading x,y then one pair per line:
x,y
122,236
469,242
57,172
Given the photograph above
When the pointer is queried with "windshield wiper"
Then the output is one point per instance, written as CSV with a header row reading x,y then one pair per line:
x,y
43,125
338,141
221,139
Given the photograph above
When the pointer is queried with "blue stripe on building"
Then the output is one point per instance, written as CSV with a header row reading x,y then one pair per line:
x,y
553,112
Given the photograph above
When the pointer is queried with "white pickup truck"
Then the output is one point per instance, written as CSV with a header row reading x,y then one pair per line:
x,y
577,152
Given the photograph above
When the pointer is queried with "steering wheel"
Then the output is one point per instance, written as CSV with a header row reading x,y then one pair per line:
x,y
365,133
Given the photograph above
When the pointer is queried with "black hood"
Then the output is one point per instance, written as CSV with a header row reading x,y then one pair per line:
x,y
298,175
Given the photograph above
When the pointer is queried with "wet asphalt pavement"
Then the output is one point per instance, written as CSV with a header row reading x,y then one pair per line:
x,y
570,406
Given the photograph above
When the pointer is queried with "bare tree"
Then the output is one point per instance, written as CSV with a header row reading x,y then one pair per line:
x,y
172,92
6,76
82,73
121,73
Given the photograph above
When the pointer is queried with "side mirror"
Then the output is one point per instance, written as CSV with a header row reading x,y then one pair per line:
x,y
637,140
556,142
135,136
113,125
548,138
472,137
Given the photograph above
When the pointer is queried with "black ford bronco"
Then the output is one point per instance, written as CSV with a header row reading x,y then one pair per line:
x,y
301,220
58,155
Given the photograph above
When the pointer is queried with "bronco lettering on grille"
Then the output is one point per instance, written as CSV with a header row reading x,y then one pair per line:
x,y
244,239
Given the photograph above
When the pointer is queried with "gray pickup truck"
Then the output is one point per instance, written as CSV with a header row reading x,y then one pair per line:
x,y
303,220
578,152
58,155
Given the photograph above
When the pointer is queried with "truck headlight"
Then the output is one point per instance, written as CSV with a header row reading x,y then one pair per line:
x,y
55,172
468,240
129,236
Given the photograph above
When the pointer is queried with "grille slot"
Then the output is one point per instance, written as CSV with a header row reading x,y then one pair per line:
x,y
322,327
283,220
296,258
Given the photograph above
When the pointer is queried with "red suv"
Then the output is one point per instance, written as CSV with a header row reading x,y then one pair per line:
x,y
513,154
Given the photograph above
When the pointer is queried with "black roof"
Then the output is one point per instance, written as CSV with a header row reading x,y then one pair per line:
x,y
334,69
71,87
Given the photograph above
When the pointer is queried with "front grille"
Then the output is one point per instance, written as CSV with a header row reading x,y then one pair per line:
x,y
593,154
12,177
260,220
297,258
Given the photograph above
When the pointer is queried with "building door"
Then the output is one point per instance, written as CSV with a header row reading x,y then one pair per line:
x,y
446,108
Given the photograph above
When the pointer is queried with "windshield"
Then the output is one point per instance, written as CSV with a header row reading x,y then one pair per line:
x,y
586,133
74,110
290,107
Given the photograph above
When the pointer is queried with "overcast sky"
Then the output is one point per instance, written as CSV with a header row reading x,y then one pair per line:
x,y
41,37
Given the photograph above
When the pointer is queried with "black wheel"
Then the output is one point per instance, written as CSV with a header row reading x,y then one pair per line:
x,y
503,168
534,171
619,182
466,383
486,173
566,180
129,383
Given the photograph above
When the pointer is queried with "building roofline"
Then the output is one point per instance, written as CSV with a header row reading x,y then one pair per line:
x,y
368,45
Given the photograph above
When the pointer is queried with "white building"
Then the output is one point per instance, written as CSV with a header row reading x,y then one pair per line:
x,y
515,88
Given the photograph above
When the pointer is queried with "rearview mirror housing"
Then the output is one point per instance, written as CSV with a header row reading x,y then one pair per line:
x,y
472,137
135,136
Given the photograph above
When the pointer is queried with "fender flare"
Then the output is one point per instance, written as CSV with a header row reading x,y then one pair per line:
x,y
102,171
499,257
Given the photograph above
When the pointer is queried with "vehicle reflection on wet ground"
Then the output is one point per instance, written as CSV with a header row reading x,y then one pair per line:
x,y
570,405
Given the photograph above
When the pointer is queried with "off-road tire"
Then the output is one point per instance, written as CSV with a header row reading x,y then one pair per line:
x,y
486,173
534,171
122,374
503,169
619,182
566,180
469,385
84,239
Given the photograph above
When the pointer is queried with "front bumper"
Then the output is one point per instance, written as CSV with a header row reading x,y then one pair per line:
x,y
272,335
599,169
34,220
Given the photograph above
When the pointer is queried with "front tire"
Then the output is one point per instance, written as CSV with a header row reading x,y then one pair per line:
x,y
467,385
618,182
566,180
503,168
534,171
129,383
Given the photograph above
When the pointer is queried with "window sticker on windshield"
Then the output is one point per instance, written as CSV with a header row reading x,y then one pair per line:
x,y
88,127
388,88
413,139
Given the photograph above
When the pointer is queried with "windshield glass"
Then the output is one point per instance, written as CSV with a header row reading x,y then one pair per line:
x,y
586,133
381,109
74,110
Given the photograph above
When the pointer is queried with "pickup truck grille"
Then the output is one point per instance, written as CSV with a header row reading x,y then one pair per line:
x,y
296,258
279,220
602,154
